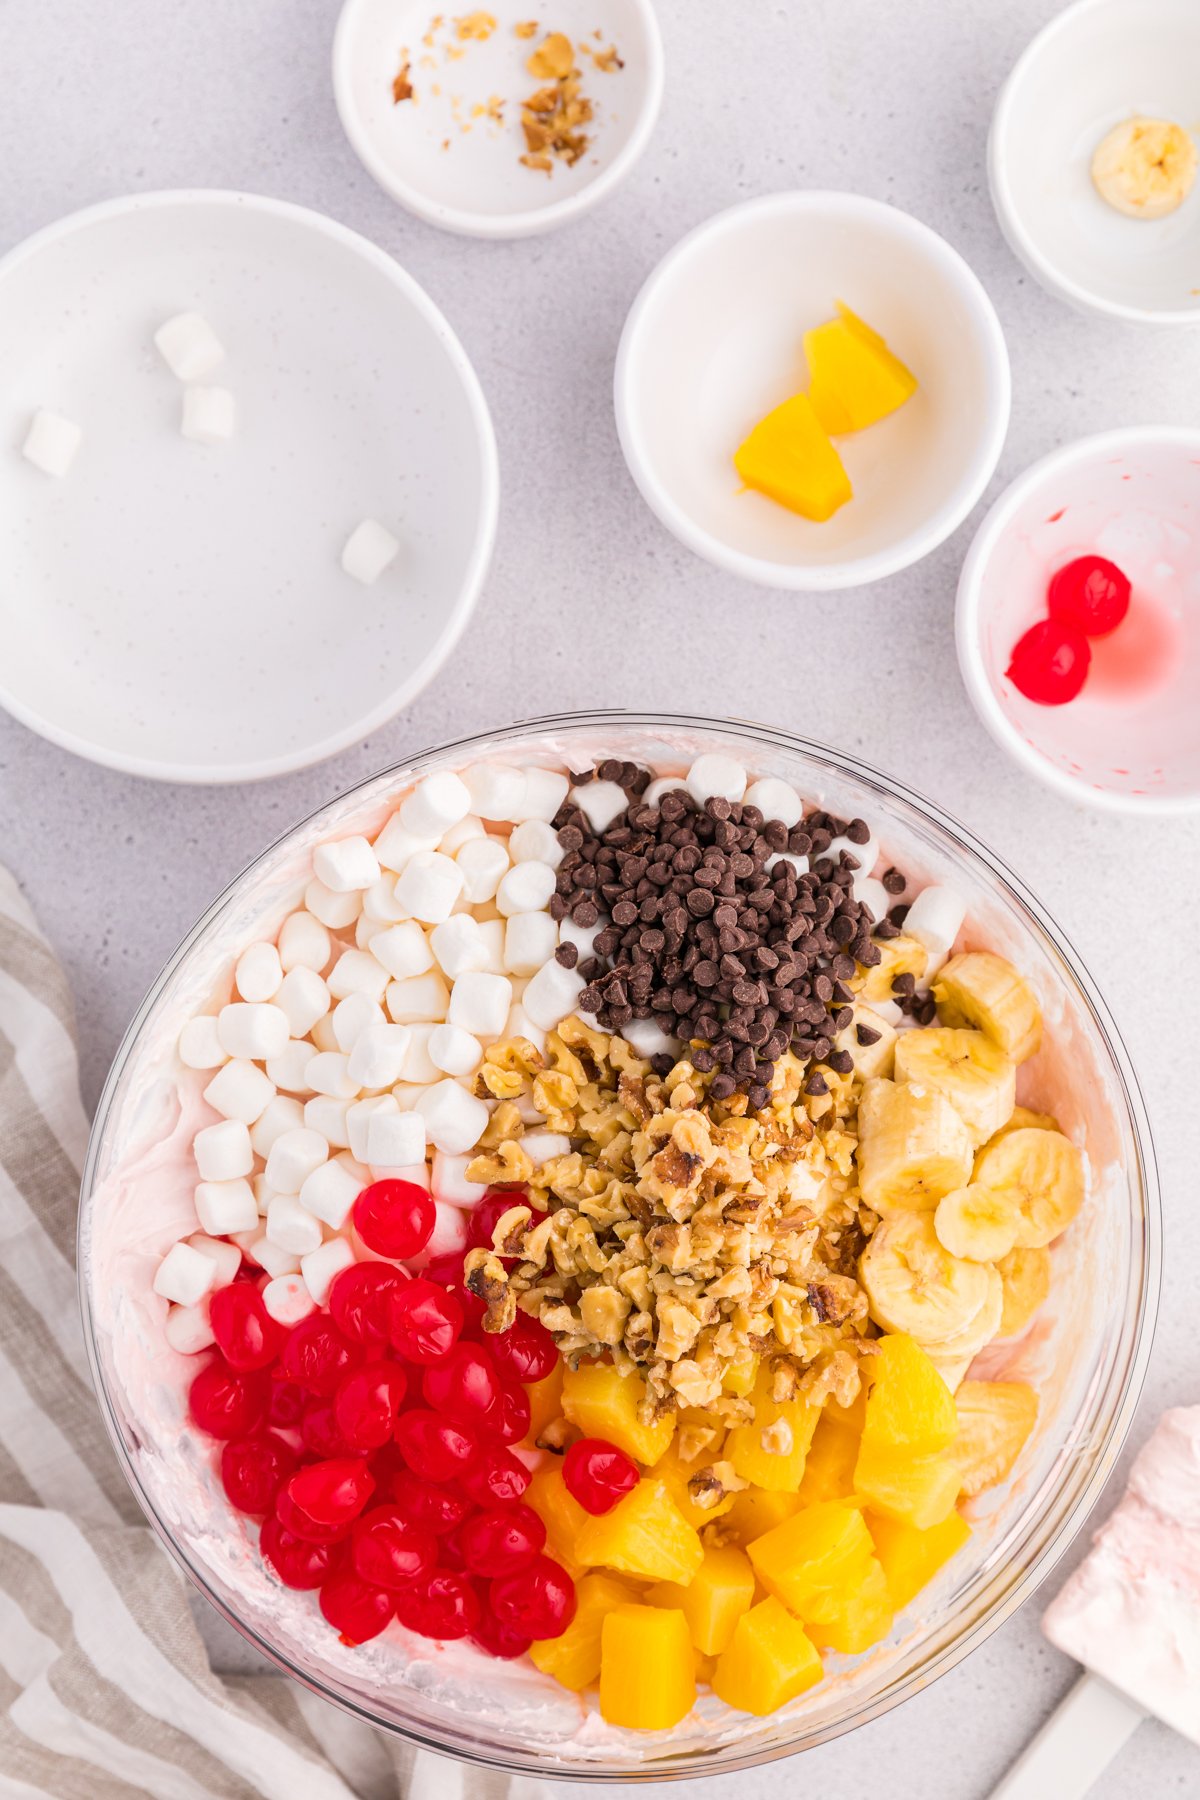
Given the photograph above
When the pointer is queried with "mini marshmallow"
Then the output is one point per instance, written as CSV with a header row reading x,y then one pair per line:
x,y
253,1030
223,1152
935,919
480,1002
454,1050
271,1258
258,973
648,1039
329,1194
328,1116
665,784
189,346
552,994
293,1158
323,1036
347,1160
357,972
428,886
292,1227
435,805
535,841
322,1267
304,943
303,998
396,845
418,1000
208,415
775,799
225,1206
600,802
491,936
329,1074
357,1119
365,931
346,864
289,1070
188,1330
51,443
283,1114
335,910
873,895
288,1298
403,950
495,789
450,1181
526,888
184,1275
582,936
454,1119
890,1013
351,1017
799,863
522,1026
240,1091
458,946
865,855
543,793
453,840
380,904
418,1068
449,1234
377,1059
200,1044
483,863
368,551
713,777
226,1256
264,1193
540,1146
529,941
395,1139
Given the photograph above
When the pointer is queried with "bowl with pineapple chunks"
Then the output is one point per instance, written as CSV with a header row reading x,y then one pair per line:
x,y
806,1434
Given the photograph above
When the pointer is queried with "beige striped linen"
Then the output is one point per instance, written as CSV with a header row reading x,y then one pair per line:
x,y
105,1687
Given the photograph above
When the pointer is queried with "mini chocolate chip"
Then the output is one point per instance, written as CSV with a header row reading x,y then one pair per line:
x,y
867,1035
904,984
894,881
567,955
858,831
841,1061
816,1083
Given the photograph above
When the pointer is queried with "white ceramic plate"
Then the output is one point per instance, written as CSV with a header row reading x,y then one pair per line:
x,y
461,169
179,611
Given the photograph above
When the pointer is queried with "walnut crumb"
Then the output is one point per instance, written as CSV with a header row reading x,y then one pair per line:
x,y
402,88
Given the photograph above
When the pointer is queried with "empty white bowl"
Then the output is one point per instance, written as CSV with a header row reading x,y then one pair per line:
x,y
456,166
178,610
715,340
1097,63
1129,741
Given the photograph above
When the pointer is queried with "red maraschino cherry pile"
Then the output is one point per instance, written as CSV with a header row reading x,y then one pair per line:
x,y
1086,598
372,1442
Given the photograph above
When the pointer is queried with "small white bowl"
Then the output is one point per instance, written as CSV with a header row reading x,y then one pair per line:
x,y
1097,63
460,169
179,611
1129,742
715,340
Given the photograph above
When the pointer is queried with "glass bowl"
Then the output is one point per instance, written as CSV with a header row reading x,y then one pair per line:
x,y
1086,1351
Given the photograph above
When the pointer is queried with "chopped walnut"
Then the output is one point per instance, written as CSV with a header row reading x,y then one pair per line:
x,y
402,87
777,1439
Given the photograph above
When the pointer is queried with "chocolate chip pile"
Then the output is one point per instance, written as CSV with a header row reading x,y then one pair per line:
x,y
706,940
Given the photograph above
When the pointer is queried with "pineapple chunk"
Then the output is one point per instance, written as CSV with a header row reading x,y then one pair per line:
x,y
645,1534
829,1471
714,1599
918,1490
647,1668
855,1617
705,1667
574,1658
770,1660
909,1407
604,1403
818,1549
560,1513
994,1420
855,379
755,1511
789,458
770,1451
676,1474
739,1376
545,1402
911,1558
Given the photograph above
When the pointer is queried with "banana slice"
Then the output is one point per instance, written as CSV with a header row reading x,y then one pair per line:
x,y
874,1058
915,1286
912,1146
1025,1275
984,1326
1145,168
1041,1173
952,1370
983,990
1023,1120
901,955
977,1223
975,1075
995,1419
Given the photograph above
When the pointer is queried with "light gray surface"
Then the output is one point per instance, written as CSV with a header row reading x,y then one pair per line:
x,y
591,603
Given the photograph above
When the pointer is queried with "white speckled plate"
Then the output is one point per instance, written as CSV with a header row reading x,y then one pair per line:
x,y
179,611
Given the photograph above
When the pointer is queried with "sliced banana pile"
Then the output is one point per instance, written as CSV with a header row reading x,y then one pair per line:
x,y
1145,168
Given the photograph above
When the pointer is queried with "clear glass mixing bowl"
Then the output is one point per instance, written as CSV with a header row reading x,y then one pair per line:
x,y
1087,1350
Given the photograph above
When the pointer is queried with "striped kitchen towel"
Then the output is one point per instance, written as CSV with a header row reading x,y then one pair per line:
x,y
105,1686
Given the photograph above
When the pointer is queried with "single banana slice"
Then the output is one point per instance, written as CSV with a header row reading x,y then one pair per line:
x,y
984,1326
995,1419
975,1075
914,1285
1022,1119
983,990
1025,1275
901,955
977,1223
953,1370
912,1147
874,1058
1145,168
1041,1173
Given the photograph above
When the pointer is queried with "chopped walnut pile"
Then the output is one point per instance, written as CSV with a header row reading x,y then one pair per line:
x,y
678,1234
551,118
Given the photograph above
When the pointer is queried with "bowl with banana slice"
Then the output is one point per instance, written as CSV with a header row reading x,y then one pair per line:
x,y
1092,159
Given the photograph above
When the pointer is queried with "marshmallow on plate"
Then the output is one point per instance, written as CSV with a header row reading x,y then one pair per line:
x,y
419,1070
799,863
873,895
51,442
380,904
421,999
395,1139
208,415
396,845
715,777
368,551
253,1030
258,972
541,1146
520,1025
288,1298
289,1070
226,1256
328,1116
648,1039
449,1234
189,346
453,840
223,1152
357,972
665,784
188,1329
329,1074
270,1257
329,1194
346,864
351,1017
304,943
582,936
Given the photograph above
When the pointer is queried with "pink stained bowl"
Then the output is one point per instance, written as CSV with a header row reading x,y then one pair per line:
x,y
1130,742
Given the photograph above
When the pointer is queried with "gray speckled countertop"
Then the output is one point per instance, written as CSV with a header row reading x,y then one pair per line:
x,y
606,609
